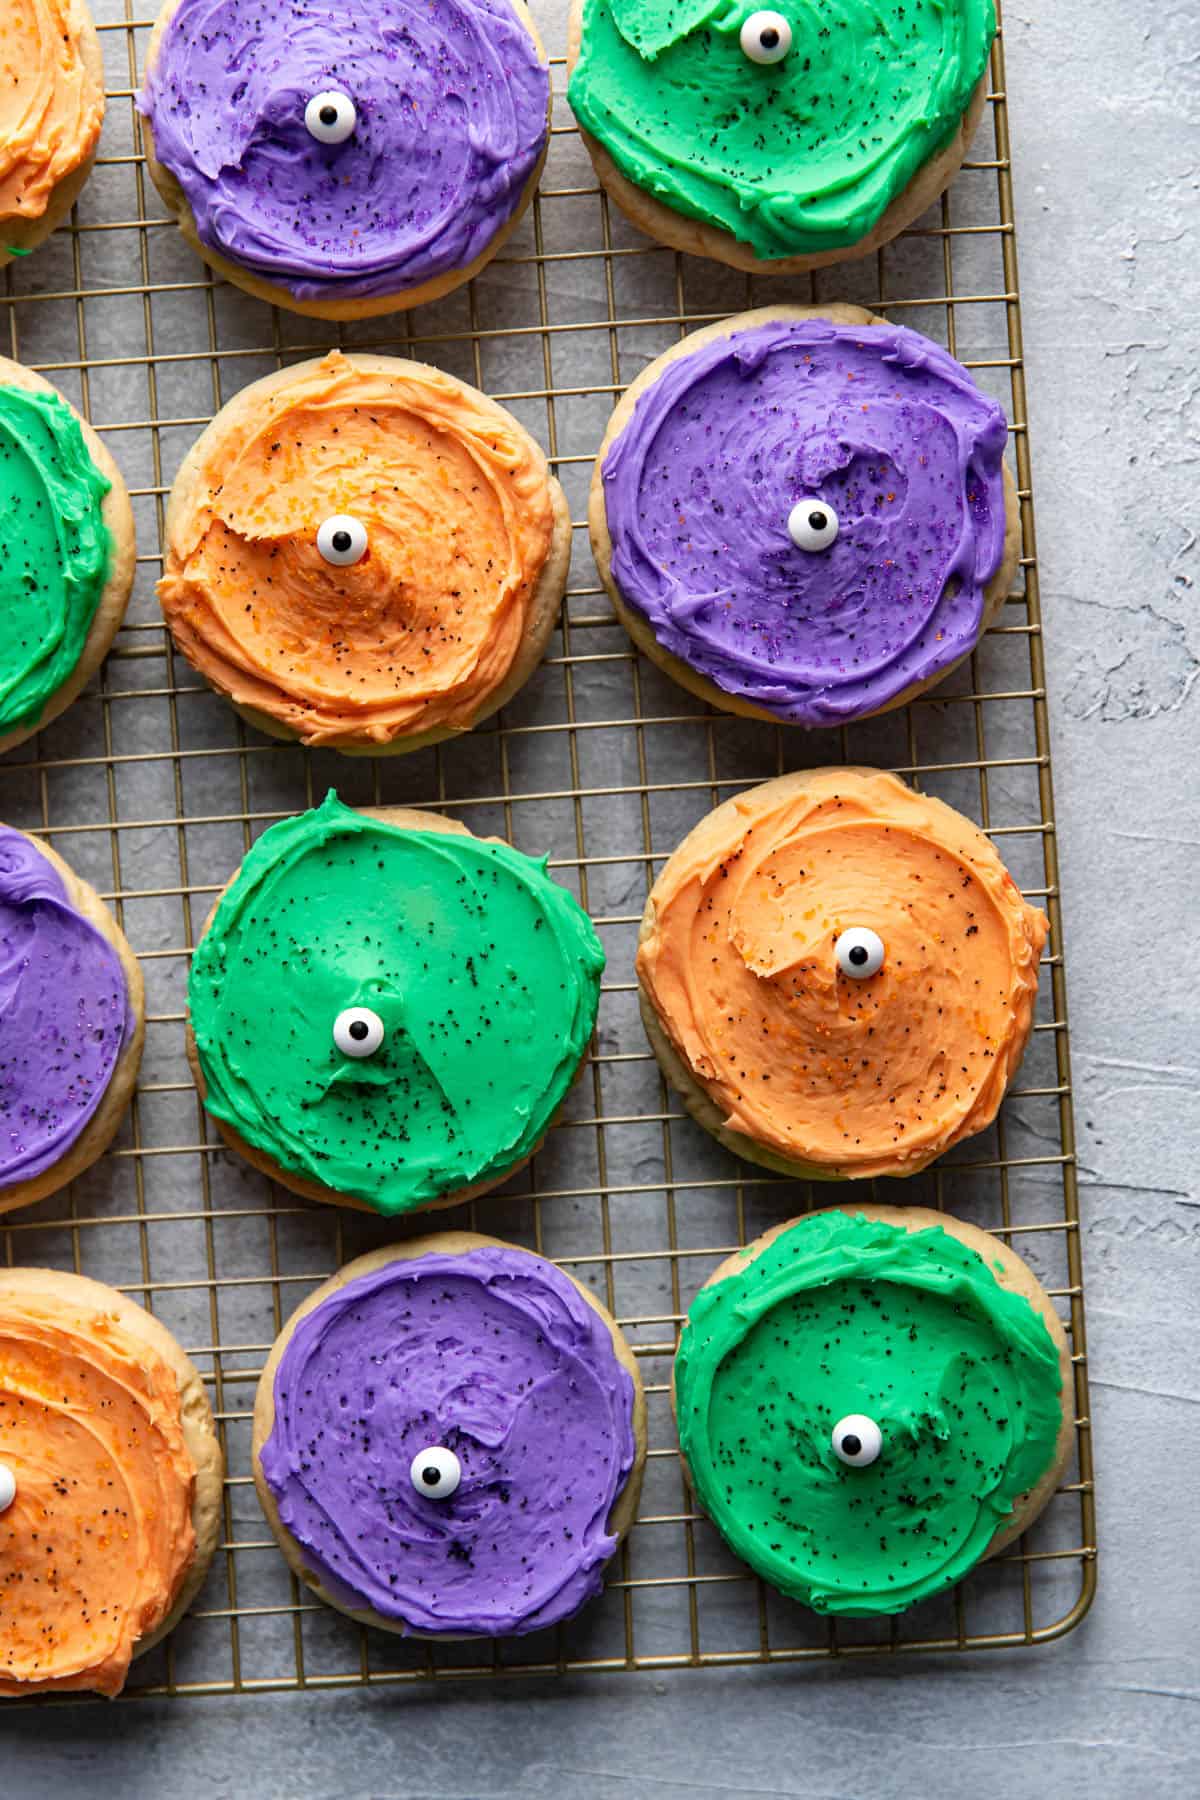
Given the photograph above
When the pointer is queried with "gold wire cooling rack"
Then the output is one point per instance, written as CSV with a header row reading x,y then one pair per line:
x,y
153,790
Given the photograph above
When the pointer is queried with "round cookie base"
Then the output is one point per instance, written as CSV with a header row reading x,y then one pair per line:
x,y
188,491
19,235
678,231
412,819
196,1418
104,1123
334,310
696,1099
1012,1272
114,597
638,626
449,1243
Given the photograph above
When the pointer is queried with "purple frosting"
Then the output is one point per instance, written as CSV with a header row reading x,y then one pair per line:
x,y
495,1355
877,422
451,102
64,1013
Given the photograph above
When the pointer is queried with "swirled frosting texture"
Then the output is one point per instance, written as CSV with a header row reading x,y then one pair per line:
x,y
793,157
95,1547
875,421
841,1314
51,104
416,636
452,107
64,1014
495,1355
55,549
484,972
852,1077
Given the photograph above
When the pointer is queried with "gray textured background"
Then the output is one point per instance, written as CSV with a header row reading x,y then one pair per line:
x,y
1107,165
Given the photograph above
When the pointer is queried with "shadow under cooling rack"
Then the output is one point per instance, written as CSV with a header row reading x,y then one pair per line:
x,y
154,791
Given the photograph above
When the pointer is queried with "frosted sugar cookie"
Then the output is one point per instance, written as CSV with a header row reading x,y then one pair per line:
x,y
366,553
345,160
110,1483
387,1011
838,974
449,1438
870,1401
804,514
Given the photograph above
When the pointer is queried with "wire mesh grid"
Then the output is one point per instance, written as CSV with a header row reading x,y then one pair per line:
x,y
153,790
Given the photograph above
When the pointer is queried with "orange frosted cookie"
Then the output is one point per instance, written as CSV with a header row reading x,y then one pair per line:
x,y
839,974
365,552
51,109
110,1483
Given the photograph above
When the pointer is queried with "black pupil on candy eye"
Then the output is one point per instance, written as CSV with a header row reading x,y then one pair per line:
x,y
858,957
817,519
768,38
329,115
358,1031
851,1444
431,1476
341,543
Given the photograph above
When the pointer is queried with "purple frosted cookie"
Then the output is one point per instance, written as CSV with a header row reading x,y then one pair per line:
x,y
342,159
449,1438
805,518
71,1022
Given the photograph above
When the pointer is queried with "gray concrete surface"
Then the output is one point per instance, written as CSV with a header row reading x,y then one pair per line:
x,y
1106,140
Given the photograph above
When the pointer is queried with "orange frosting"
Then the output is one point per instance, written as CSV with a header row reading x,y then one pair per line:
x,y
51,105
852,1077
456,505
96,1545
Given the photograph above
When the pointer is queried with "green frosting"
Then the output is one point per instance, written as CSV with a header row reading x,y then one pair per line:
x,y
792,157
55,550
484,973
844,1315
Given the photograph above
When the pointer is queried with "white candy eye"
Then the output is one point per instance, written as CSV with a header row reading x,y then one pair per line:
x,y
435,1472
812,525
342,540
857,1440
766,37
330,118
358,1031
8,1487
859,952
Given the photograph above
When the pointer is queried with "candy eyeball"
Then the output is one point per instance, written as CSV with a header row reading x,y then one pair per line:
x,y
8,1487
358,1031
812,525
856,1440
342,540
859,952
331,117
435,1472
766,37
